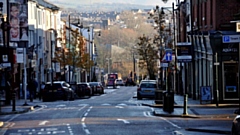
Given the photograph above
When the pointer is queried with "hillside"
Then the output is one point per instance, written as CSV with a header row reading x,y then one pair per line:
x,y
108,5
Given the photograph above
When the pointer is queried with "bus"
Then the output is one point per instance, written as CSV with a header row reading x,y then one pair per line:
x,y
111,79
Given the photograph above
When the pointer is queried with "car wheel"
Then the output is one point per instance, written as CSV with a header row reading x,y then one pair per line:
x,y
139,97
89,94
72,97
233,132
65,96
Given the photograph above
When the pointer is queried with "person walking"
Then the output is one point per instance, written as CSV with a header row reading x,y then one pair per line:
x,y
41,90
32,88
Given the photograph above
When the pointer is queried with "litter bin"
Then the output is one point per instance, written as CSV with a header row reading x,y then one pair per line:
x,y
168,101
158,96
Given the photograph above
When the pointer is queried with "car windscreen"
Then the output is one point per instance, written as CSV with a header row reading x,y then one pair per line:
x,y
148,85
82,85
93,84
57,85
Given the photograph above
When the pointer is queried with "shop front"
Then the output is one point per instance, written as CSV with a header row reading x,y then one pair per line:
x,y
226,52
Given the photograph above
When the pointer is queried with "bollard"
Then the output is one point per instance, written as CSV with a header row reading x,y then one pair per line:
x,y
185,105
217,98
13,102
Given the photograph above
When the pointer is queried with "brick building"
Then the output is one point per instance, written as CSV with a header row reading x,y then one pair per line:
x,y
211,28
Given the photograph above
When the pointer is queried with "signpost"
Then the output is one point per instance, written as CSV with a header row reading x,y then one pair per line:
x,y
184,52
169,56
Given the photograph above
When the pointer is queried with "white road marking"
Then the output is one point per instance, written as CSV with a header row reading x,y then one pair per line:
x,y
58,132
106,104
125,121
82,104
170,122
60,105
119,107
43,122
87,131
123,104
177,133
84,125
81,108
51,129
83,119
85,114
148,114
13,117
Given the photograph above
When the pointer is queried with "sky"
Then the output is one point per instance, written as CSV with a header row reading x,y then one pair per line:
x,y
141,2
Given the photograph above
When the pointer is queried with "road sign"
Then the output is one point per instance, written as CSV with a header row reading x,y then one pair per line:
x,y
4,58
231,38
5,65
169,56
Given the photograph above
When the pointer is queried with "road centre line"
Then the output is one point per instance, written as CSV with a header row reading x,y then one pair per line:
x,y
83,119
85,114
84,125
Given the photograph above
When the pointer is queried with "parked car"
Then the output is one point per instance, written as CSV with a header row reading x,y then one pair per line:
x,y
148,81
59,90
119,82
83,89
236,124
97,87
146,90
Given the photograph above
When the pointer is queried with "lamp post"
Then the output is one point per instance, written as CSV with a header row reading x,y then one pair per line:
x,y
108,59
55,34
69,40
169,66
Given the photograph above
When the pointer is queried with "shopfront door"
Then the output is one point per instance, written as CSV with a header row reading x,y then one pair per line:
x,y
230,80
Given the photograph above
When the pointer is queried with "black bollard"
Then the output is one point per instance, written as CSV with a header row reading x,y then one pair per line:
x,y
13,102
185,105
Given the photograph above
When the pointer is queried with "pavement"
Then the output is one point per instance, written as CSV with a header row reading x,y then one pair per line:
x,y
194,110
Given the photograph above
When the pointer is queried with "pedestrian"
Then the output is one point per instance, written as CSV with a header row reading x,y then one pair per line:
x,y
41,90
32,89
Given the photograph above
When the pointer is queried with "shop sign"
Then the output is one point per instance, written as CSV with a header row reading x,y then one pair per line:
x,y
184,52
230,48
231,38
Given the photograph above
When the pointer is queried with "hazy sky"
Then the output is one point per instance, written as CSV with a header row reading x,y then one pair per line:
x,y
142,2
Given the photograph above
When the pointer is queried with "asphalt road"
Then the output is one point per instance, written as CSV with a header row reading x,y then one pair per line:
x,y
116,112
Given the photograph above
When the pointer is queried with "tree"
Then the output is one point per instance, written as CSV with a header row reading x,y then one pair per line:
x,y
75,53
148,55
125,38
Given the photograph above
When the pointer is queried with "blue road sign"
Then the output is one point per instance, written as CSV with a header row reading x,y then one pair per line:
x,y
226,39
168,56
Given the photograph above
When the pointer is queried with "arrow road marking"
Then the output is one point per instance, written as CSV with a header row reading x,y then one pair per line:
x,y
43,122
125,121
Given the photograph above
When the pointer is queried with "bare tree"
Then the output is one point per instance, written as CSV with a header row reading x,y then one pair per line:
x,y
148,55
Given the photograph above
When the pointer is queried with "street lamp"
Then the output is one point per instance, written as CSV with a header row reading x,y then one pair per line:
x,y
174,45
108,59
55,34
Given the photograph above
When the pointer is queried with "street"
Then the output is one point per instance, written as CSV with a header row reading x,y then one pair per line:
x,y
116,112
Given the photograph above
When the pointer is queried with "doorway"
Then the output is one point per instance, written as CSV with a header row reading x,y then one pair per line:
x,y
230,80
